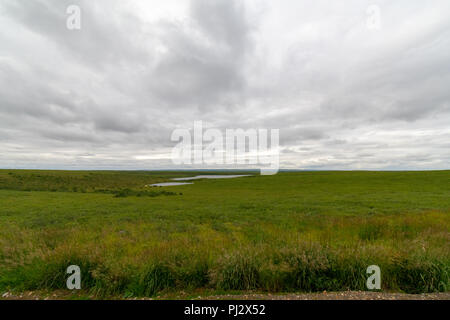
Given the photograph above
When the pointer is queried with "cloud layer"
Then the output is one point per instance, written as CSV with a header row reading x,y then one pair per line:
x,y
343,94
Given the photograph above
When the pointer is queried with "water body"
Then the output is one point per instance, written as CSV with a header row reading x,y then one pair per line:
x,y
168,184
229,176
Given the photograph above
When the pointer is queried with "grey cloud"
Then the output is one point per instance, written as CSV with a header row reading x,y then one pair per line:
x,y
205,68
343,96
68,135
101,42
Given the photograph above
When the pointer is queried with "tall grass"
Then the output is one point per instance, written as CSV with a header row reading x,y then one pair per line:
x,y
305,269
291,232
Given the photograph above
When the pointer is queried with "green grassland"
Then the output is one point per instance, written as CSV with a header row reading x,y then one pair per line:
x,y
294,231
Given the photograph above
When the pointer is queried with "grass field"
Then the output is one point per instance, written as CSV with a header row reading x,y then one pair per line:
x,y
294,231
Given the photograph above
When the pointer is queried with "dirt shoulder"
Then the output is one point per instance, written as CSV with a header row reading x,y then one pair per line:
x,y
346,295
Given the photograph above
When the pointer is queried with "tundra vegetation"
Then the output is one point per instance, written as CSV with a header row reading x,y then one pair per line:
x,y
294,231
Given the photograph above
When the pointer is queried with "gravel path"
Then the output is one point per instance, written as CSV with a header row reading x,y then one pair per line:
x,y
346,295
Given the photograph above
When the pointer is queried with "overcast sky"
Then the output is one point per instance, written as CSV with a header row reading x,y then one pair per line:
x,y
345,92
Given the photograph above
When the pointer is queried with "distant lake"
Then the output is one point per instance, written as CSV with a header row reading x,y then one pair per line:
x,y
169,184
229,176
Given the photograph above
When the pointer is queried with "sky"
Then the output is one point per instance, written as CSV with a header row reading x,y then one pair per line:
x,y
351,85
